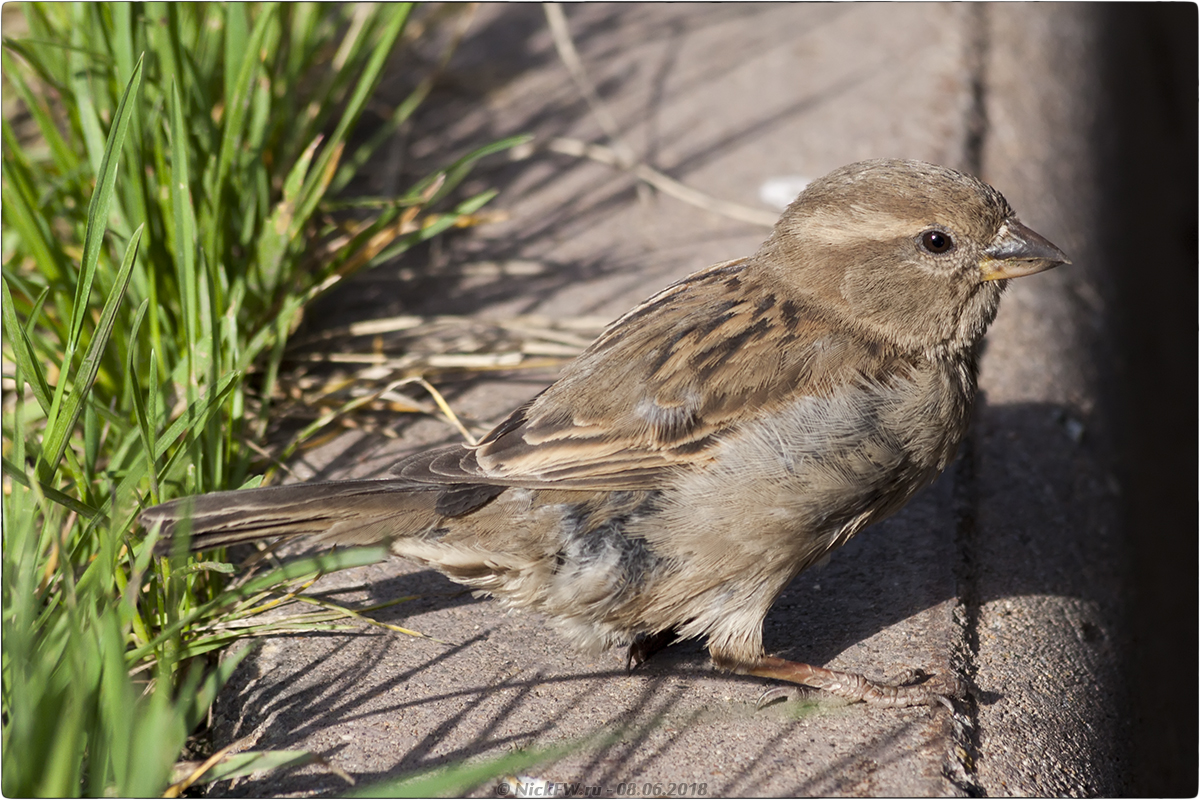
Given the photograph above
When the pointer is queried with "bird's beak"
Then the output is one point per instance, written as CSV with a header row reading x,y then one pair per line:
x,y
1018,251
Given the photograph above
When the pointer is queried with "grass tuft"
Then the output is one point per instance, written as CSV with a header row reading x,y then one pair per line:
x,y
173,181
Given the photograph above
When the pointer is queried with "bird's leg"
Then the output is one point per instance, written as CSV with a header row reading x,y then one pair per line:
x,y
644,648
854,688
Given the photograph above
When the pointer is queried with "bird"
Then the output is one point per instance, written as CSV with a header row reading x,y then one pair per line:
x,y
712,443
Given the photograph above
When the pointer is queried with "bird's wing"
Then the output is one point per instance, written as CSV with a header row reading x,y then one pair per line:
x,y
658,389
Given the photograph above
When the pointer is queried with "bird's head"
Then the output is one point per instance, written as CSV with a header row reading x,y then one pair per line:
x,y
915,252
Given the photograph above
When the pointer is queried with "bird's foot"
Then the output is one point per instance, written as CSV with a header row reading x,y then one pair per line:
x,y
645,646
915,688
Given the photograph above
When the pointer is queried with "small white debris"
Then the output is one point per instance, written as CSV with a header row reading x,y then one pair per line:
x,y
779,192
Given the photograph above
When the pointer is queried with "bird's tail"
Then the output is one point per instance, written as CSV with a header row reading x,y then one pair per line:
x,y
341,512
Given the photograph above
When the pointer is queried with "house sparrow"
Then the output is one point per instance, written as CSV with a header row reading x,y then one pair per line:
x,y
716,440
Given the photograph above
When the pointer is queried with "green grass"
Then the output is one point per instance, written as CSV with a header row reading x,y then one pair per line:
x,y
168,210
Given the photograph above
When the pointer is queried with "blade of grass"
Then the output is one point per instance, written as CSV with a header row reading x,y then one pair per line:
x,y
363,153
457,780
246,763
236,32
17,475
185,232
282,227
60,428
146,428
235,115
78,63
459,169
311,565
96,225
392,28
184,430
23,348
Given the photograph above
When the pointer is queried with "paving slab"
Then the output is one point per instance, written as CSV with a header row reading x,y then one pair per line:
x,y
1007,570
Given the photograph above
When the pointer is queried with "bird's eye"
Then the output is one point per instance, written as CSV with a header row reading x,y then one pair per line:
x,y
936,241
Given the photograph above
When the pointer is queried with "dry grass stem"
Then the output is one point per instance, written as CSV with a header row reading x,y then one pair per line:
x,y
619,154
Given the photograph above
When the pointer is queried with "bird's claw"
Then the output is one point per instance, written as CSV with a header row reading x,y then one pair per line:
x,y
644,647
777,693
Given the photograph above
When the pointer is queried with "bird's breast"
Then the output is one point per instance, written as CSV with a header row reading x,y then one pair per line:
x,y
791,484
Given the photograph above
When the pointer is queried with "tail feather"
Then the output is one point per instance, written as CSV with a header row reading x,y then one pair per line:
x,y
337,512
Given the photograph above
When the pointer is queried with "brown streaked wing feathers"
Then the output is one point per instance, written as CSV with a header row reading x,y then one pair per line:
x,y
657,390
